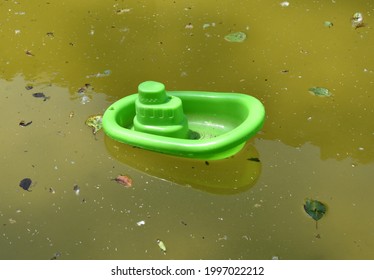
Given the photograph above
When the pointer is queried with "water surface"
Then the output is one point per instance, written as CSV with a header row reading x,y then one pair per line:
x,y
85,55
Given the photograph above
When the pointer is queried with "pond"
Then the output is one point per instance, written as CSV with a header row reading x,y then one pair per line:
x,y
63,61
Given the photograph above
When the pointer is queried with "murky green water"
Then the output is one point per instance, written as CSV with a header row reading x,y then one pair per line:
x,y
84,55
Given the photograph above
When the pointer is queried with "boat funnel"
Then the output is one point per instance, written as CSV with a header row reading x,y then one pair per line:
x,y
158,113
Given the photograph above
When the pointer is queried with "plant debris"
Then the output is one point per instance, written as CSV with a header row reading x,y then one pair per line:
x,y
84,88
161,245
95,122
76,189
121,11
319,91
55,256
40,95
83,91
25,184
315,209
124,180
23,123
236,37
29,53
328,24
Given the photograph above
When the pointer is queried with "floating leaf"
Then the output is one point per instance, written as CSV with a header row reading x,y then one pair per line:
x,y
29,53
315,209
124,180
236,37
319,91
161,245
95,122
40,95
23,123
25,184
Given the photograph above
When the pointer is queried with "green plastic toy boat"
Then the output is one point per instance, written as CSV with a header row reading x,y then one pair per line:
x,y
194,124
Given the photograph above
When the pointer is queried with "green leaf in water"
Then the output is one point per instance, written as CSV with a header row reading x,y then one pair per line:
x,y
319,91
162,246
236,37
314,208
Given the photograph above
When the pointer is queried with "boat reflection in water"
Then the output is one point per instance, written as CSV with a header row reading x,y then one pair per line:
x,y
231,175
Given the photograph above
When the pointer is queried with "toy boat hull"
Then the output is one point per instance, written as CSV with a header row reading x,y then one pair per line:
x,y
219,124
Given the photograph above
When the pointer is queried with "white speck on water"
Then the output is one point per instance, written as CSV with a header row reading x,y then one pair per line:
x,y
247,237
124,29
223,238
206,25
285,4
76,189
141,223
189,26
85,99
122,11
